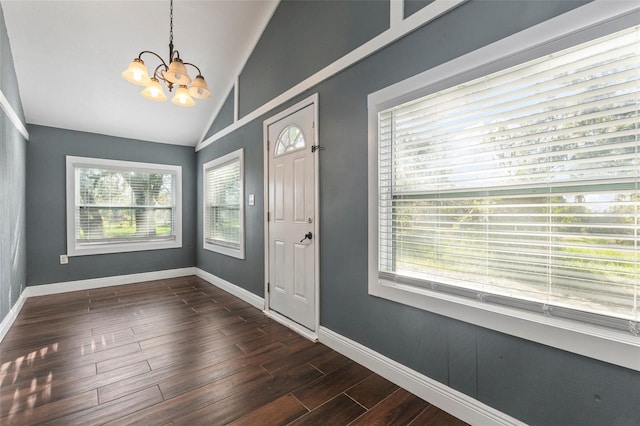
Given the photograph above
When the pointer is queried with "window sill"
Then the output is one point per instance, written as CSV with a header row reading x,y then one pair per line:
x,y
86,250
227,251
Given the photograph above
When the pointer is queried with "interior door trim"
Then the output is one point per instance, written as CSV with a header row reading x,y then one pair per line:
x,y
309,334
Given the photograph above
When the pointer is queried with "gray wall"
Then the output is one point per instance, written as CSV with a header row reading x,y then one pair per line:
x,y
294,30
46,205
224,117
532,382
412,6
248,272
12,186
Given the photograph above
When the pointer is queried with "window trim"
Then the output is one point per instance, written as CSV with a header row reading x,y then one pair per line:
x,y
587,22
73,249
238,253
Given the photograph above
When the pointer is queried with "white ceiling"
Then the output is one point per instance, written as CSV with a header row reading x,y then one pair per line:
x,y
69,56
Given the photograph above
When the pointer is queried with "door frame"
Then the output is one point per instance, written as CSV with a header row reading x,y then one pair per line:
x,y
309,334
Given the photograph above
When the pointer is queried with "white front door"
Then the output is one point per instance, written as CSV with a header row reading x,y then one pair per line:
x,y
291,218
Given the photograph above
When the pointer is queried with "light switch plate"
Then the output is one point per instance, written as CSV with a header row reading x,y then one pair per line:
x,y
252,199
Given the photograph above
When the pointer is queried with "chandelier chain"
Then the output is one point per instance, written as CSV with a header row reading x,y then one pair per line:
x,y
171,23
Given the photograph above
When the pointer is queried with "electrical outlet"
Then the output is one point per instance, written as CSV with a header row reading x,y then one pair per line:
x,y
64,259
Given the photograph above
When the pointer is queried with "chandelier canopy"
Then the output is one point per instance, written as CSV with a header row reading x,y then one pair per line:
x,y
174,74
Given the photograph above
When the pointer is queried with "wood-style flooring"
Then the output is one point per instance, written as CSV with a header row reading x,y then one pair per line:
x,y
183,352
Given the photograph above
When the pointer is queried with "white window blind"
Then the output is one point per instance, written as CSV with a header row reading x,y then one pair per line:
x,y
117,206
223,210
521,187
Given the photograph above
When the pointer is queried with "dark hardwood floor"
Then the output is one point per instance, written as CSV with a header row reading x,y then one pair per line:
x,y
183,352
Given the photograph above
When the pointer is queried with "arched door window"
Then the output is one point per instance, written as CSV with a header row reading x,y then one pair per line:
x,y
290,139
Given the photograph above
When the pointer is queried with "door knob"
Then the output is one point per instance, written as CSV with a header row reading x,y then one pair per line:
x,y
307,236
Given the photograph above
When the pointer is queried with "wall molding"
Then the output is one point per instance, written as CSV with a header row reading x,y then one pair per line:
x,y
448,399
10,318
65,287
13,116
397,31
237,291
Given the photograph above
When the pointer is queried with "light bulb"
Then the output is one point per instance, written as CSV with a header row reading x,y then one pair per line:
x,y
154,91
182,97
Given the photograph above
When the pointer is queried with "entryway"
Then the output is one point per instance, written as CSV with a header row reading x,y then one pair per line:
x,y
291,198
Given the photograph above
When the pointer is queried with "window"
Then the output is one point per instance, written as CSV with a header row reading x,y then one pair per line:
x,y
516,191
224,204
120,206
290,139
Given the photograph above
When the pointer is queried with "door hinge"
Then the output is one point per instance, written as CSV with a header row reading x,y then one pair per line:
x,y
268,287
268,216
315,148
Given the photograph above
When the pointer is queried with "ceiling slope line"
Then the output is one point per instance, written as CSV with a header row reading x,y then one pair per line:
x,y
233,84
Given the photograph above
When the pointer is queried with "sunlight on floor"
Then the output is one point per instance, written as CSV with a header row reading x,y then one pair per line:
x,y
38,388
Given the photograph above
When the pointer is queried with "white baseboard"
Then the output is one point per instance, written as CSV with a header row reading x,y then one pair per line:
x,y
64,287
240,292
255,301
9,319
450,400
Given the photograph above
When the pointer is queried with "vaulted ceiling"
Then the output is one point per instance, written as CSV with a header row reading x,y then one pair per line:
x,y
69,56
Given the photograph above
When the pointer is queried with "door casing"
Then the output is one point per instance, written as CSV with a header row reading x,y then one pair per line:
x,y
310,334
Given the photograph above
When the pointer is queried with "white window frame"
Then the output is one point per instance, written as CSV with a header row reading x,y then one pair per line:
x,y
229,251
75,249
582,24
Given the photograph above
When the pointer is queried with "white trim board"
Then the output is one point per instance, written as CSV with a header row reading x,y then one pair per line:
x,y
65,287
8,320
237,291
398,30
448,399
13,116
255,301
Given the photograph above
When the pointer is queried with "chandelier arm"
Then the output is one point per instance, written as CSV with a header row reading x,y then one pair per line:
x,y
189,63
155,54
159,74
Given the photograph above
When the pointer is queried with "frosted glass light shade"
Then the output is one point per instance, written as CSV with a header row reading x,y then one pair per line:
x,y
182,97
199,88
177,73
154,91
137,73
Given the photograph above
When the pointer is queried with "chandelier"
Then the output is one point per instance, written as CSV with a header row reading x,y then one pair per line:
x,y
174,74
